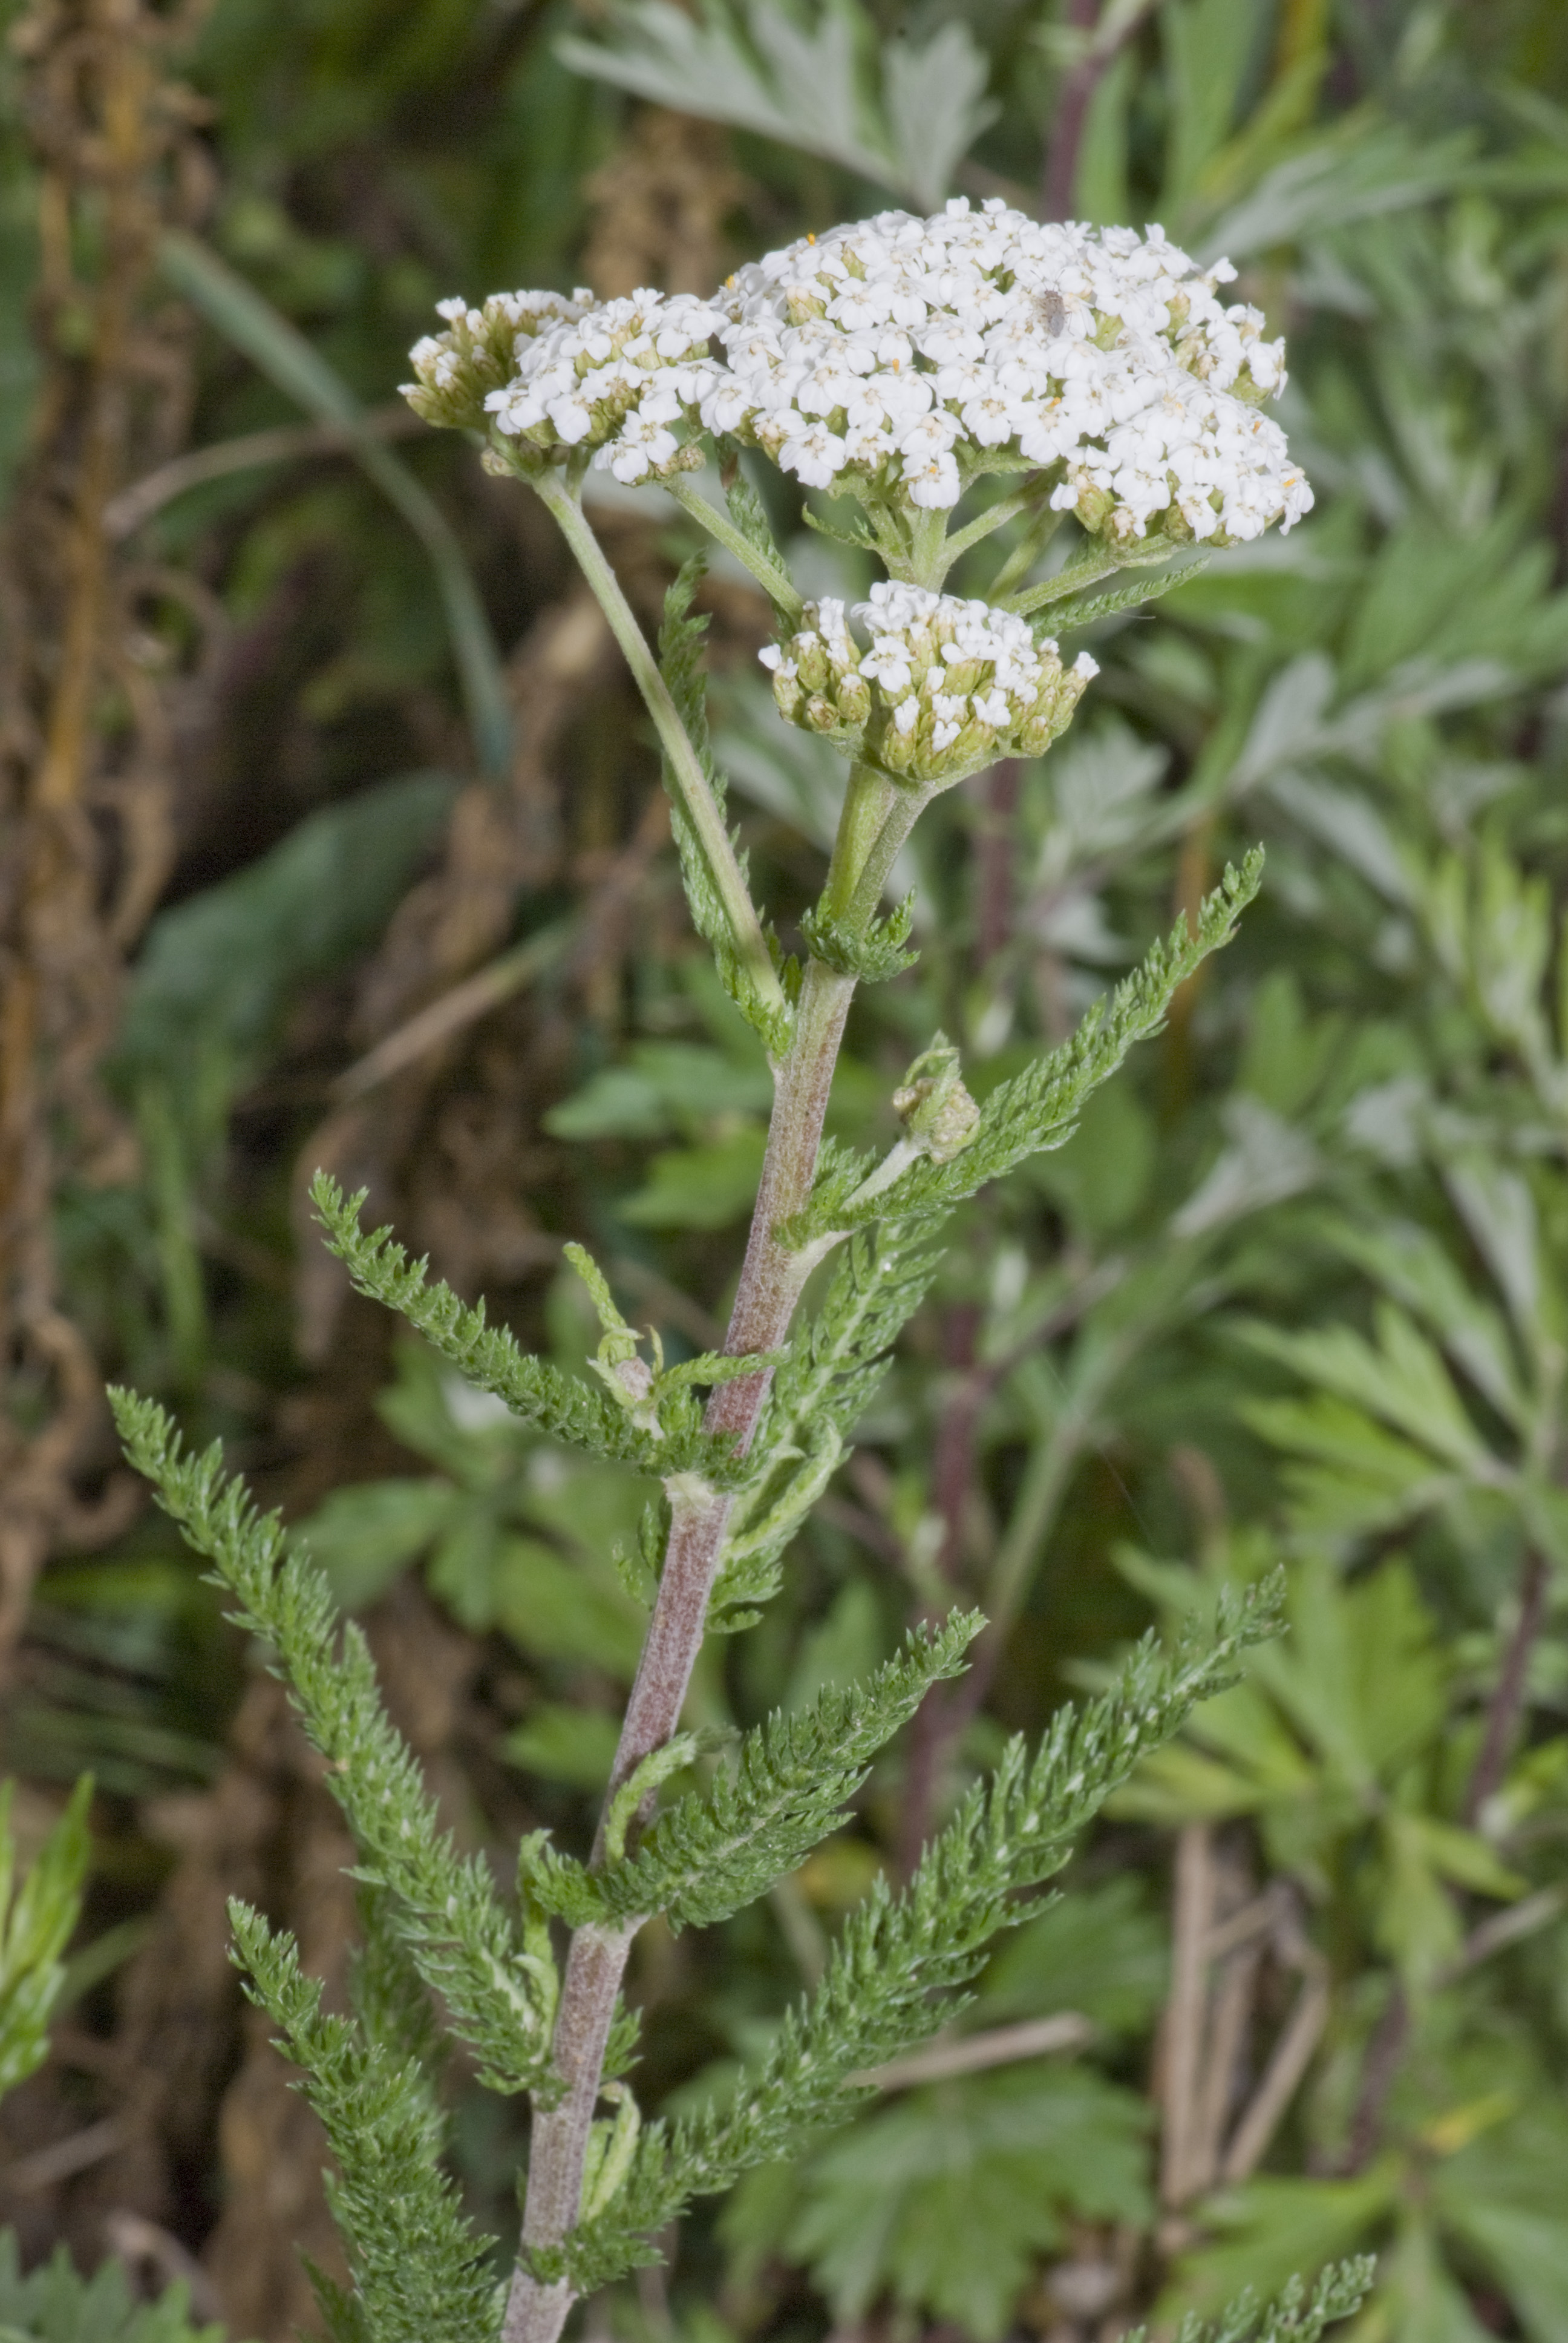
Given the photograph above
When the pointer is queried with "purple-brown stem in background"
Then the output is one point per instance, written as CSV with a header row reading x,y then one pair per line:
x,y
952,1486
995,856
1061,173
1386,2048
1504,1707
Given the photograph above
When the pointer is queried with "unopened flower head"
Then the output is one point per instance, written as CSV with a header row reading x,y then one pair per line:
x,y
911,355
945,687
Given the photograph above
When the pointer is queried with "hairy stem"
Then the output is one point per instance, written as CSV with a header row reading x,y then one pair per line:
x,y
696,796
867,802
770,1283
775,582
996,516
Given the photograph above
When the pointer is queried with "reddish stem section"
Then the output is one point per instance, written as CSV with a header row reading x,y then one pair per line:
x,y
770,1283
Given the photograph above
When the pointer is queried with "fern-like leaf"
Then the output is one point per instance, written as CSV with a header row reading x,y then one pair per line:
x,y
564,1407
1293,2317
420,2273
707,1857
897,1951
1038,1108
500,1991
1083,609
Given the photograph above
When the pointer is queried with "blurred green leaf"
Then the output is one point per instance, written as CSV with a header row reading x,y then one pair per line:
x,y
946,2197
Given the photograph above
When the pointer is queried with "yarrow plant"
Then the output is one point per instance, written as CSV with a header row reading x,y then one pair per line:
x,y
900,363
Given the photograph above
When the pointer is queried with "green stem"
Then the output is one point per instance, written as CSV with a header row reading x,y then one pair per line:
x,y
697,798
903,813
928,563
775,582
1025,553
867,802
1087,570
1083,572
995,517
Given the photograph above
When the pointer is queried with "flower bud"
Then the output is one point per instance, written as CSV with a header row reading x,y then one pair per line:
x,y
935,1109
854,696
810,656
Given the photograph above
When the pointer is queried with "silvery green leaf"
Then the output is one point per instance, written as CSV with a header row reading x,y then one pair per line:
x,y
1350,175
1266,1161
797,78
936,107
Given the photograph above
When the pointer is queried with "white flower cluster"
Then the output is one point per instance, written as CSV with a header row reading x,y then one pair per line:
x,y
480,351
613,375
946,686
918,353
905,357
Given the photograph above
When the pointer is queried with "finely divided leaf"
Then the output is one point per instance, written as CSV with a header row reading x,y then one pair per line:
x,y
420,2273
565,1408
897,1951
1039,1108
707,1857
499,1991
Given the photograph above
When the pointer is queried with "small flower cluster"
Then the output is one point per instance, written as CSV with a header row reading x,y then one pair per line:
x,y
946,686
914,354
481,351
612,375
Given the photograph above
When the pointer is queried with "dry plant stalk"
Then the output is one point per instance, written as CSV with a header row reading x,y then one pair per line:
x,y
1223,1933
84,823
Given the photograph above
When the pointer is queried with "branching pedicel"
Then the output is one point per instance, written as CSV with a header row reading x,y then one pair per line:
x,y
898,363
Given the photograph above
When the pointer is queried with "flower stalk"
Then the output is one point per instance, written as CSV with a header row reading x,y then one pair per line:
x,y
770,1283
696,796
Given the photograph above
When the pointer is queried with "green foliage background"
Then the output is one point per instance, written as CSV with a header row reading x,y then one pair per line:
x,y
1296,1292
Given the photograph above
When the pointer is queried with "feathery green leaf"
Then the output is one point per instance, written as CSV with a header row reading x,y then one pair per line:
x,y
1039,1108
420,2273
706,1858
1293,2317
1083,609
562,1406
500,1992
896,1952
